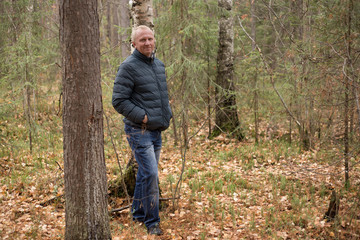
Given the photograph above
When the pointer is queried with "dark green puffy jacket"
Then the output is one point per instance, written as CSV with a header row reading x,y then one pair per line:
x,y
140,88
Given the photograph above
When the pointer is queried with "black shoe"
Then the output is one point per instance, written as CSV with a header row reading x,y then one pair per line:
x,y
155,230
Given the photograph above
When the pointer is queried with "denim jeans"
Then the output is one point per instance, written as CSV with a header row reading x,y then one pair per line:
x,y
146,146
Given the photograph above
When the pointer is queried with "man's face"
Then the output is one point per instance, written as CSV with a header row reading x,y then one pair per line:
x,y
144,42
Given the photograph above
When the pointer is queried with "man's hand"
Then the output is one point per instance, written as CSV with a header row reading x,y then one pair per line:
x,y
145,120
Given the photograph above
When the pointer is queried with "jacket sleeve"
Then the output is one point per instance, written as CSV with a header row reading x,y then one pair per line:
x,y
121,98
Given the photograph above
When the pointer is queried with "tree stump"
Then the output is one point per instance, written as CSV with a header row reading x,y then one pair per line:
x,y
116,188
333,209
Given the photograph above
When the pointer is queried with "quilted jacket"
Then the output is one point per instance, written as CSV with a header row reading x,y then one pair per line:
x,y
140,88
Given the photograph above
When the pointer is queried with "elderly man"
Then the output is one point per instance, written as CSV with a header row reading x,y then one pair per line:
x,y
140,95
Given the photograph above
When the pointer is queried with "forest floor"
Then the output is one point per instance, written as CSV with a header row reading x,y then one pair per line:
x,y
230,190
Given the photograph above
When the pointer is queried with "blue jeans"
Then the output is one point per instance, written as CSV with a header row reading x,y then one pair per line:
x,y
146,146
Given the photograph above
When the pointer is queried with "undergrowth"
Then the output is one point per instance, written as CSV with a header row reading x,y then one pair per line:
x,y
271,189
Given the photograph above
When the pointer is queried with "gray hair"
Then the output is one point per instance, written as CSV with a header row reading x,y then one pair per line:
x,y
136,29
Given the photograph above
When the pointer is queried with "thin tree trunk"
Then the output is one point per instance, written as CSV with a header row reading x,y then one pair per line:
x,y
176,138
185,110
256,100
209,94
109,21
124,24
346,133
357,105
27,97
115,25
347,91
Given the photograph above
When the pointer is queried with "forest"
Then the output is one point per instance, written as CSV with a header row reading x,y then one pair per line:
x,y
264,139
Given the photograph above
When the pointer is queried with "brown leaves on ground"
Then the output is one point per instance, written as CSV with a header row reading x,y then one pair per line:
x,y
230,190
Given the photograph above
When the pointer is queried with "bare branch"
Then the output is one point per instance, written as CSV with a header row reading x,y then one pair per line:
x,y
118,160
270,72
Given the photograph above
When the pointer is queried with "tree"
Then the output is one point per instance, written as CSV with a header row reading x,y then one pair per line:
x,y
118,23
142,13
25,54
124,23
86,212
348,77
226,111
255,77
188,45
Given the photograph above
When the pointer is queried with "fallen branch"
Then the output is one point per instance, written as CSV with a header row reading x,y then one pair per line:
x,y
120,209
51,200
128,206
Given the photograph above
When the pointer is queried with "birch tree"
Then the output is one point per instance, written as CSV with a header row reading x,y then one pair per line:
x,y
142,13
226,111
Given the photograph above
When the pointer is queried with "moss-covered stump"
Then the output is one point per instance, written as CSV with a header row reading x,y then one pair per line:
x,y
116,188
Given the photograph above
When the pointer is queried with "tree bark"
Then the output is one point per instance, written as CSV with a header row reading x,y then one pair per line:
x,y
226,119
142,13
86,213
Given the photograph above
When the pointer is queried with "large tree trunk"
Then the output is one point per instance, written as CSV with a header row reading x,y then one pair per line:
x,y
86,211
226,111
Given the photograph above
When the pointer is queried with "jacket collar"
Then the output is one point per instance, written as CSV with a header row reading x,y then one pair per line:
x,y
142,57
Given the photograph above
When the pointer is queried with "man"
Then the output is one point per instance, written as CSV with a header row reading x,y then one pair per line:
x,y
140,95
